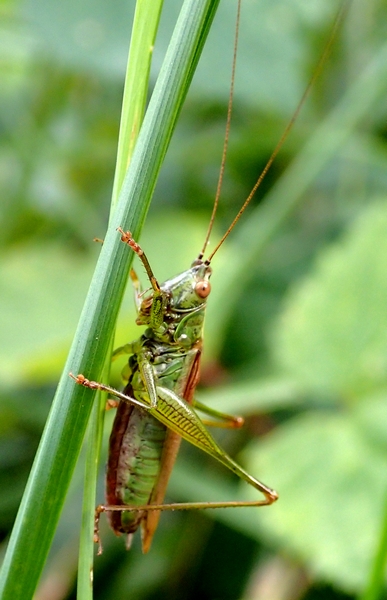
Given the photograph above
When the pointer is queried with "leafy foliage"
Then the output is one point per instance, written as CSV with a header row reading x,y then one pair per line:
x,y
331,337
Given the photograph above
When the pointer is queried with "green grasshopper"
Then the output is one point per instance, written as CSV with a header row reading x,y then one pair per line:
x,y
157,407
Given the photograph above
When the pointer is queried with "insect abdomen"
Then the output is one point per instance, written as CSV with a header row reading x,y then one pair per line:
x,y
136,444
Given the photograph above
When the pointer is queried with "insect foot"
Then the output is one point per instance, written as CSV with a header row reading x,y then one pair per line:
x,y
81,380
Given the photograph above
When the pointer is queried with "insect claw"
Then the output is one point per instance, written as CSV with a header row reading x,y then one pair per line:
x,y
81,380
126,236
123,233
78,378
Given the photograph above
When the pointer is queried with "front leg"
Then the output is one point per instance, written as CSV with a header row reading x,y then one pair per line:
x,y
94,385
144,380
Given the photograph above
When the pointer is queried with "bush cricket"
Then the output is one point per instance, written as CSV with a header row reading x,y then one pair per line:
x,y
157,407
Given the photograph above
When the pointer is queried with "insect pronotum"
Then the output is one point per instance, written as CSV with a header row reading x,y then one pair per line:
x,y
157,407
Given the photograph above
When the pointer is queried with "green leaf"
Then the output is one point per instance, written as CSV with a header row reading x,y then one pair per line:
x,y
332,336
34,342
329,469
331,483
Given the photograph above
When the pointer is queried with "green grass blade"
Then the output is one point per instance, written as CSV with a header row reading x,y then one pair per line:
x,y
61,441
145,25
86,544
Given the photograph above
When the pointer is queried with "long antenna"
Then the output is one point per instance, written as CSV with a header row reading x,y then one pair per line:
x,y
227,133
289,126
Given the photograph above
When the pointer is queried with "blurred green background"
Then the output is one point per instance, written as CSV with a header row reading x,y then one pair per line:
x,y
300,352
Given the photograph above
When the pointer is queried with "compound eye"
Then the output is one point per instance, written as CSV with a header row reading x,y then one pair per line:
x,y
203,288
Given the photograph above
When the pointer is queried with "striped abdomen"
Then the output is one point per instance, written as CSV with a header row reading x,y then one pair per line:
x,y
135,447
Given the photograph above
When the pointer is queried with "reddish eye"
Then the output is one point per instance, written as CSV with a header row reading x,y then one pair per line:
x,y
203,288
